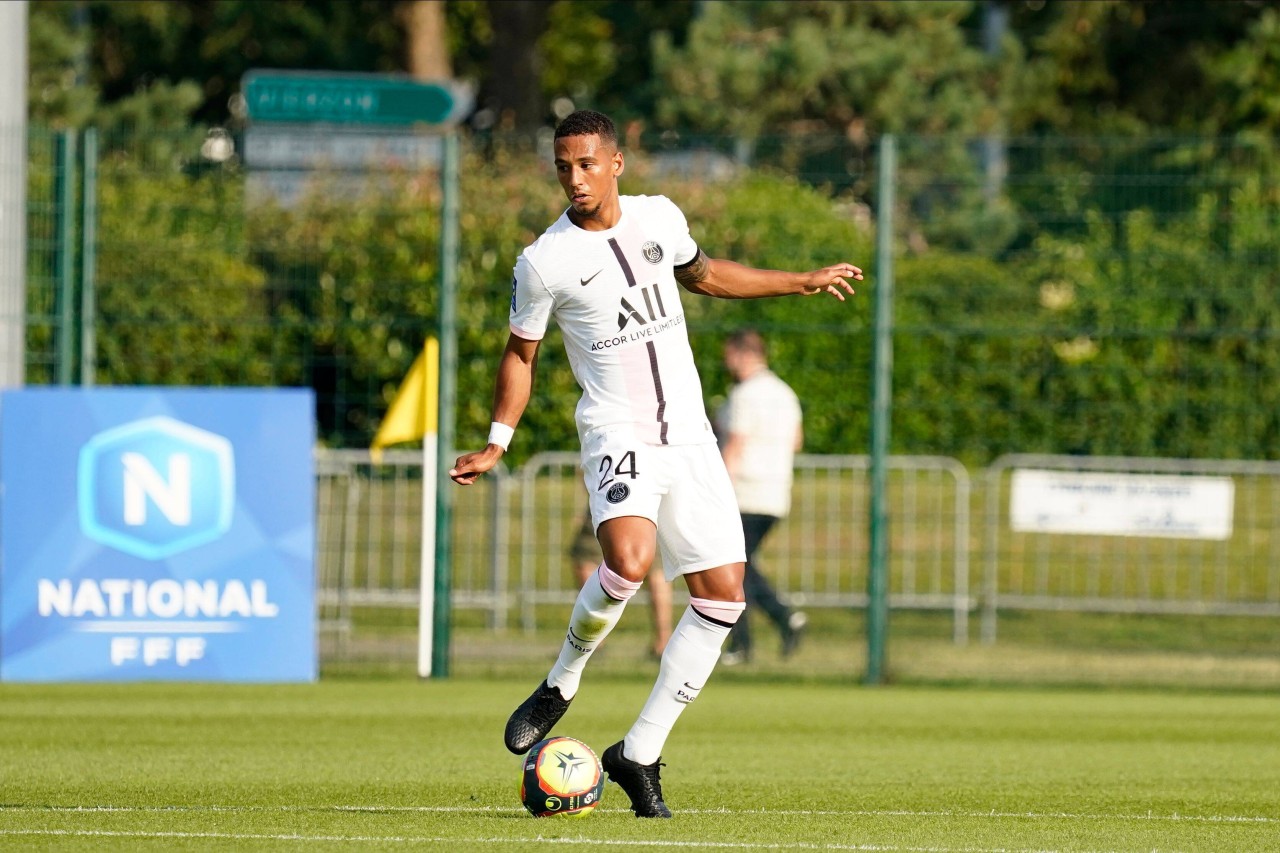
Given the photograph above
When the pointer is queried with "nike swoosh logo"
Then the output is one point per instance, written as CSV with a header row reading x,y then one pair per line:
x,y
585,281
691,687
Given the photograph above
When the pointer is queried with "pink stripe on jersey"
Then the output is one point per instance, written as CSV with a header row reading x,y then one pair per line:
x,y
723,612
615,585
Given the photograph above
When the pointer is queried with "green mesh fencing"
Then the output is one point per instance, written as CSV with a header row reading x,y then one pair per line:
x,y
1099,297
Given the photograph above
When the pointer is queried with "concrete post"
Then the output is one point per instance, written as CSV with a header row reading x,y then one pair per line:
x,y
13,192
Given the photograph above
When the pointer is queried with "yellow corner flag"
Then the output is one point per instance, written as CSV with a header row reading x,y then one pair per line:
x,y
414,412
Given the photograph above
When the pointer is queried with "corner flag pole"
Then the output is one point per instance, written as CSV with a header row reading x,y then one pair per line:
x,y
430,449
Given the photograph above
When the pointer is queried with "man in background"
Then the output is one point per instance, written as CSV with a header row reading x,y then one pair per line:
x,y
760,432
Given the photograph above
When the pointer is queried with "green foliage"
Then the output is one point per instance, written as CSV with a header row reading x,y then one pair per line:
x,y
56,96
361,280
1129,66
358,279
1248,78
161,107
178,301
966,353
64,86
817,344
868,68
1138,337
576,49
1175,331
746,68
213,44
352,279
1127,333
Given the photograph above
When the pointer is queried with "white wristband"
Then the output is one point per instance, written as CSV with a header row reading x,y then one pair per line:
x,y
500,434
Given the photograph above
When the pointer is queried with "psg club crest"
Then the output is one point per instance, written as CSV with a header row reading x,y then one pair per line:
x,y
652,252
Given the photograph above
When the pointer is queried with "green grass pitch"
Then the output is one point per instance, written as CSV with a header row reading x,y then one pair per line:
x,y
753,765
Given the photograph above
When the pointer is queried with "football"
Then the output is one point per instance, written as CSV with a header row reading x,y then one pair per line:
x,y
561,776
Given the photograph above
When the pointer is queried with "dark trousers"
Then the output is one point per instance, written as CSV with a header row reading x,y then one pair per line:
x,y
759,592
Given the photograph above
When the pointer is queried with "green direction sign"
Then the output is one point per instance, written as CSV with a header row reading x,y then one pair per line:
x,y
301,96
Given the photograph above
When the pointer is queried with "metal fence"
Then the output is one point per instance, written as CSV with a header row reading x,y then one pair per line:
x,y
369,549
513,530
1095,297
512,533
1236,574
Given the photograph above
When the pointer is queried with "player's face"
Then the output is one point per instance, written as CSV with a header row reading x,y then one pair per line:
x,y
588,171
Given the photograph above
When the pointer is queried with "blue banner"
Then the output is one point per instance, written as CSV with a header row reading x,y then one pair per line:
x,y
157,534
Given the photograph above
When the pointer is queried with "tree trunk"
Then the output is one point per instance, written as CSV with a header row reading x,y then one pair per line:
x,y
426,40
514,87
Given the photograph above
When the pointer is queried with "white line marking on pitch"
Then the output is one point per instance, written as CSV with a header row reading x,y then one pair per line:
x,y
1147,816
419,839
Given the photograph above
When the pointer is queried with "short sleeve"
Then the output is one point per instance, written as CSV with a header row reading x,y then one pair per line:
x,y
531,302
685,248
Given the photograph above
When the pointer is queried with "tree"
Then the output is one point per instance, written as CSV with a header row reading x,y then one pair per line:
x,y
1246,79
1124,66
427,46
58,95
514,90
859,68
92,53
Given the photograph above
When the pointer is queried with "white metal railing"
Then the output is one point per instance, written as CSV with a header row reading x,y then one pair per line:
x,y
1236,575
369,536
512,532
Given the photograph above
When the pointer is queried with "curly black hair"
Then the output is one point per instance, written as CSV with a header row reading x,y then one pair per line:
x,y
587,122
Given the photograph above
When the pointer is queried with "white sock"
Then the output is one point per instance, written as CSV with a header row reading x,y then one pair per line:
x,y
594,614
690,656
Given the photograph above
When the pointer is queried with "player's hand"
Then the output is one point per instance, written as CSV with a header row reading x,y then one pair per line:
x,y
470,466
833,280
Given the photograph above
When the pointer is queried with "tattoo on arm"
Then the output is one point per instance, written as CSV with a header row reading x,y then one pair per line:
x,y
694,271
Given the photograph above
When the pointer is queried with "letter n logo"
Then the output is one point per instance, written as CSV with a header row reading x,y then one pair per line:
x,y
155,487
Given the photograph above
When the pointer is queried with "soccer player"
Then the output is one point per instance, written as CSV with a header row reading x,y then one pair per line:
x,y
607,270
760,431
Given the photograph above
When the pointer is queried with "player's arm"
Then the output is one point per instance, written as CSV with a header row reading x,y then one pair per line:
x,y
730,280
510,397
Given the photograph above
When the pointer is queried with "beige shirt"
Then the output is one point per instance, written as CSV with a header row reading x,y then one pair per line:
x,y
764,414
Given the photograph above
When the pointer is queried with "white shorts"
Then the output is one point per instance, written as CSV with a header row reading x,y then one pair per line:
x,y
683,489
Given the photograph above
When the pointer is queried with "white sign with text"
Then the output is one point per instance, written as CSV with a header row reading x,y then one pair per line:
x,y
1109,504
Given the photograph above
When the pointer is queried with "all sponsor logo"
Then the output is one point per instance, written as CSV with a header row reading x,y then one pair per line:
x,y
653,308
640,333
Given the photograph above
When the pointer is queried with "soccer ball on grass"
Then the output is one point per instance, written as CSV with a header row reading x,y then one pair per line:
x,y
561,777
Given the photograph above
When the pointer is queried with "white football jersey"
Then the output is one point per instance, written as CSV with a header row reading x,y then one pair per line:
x,y
615,298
